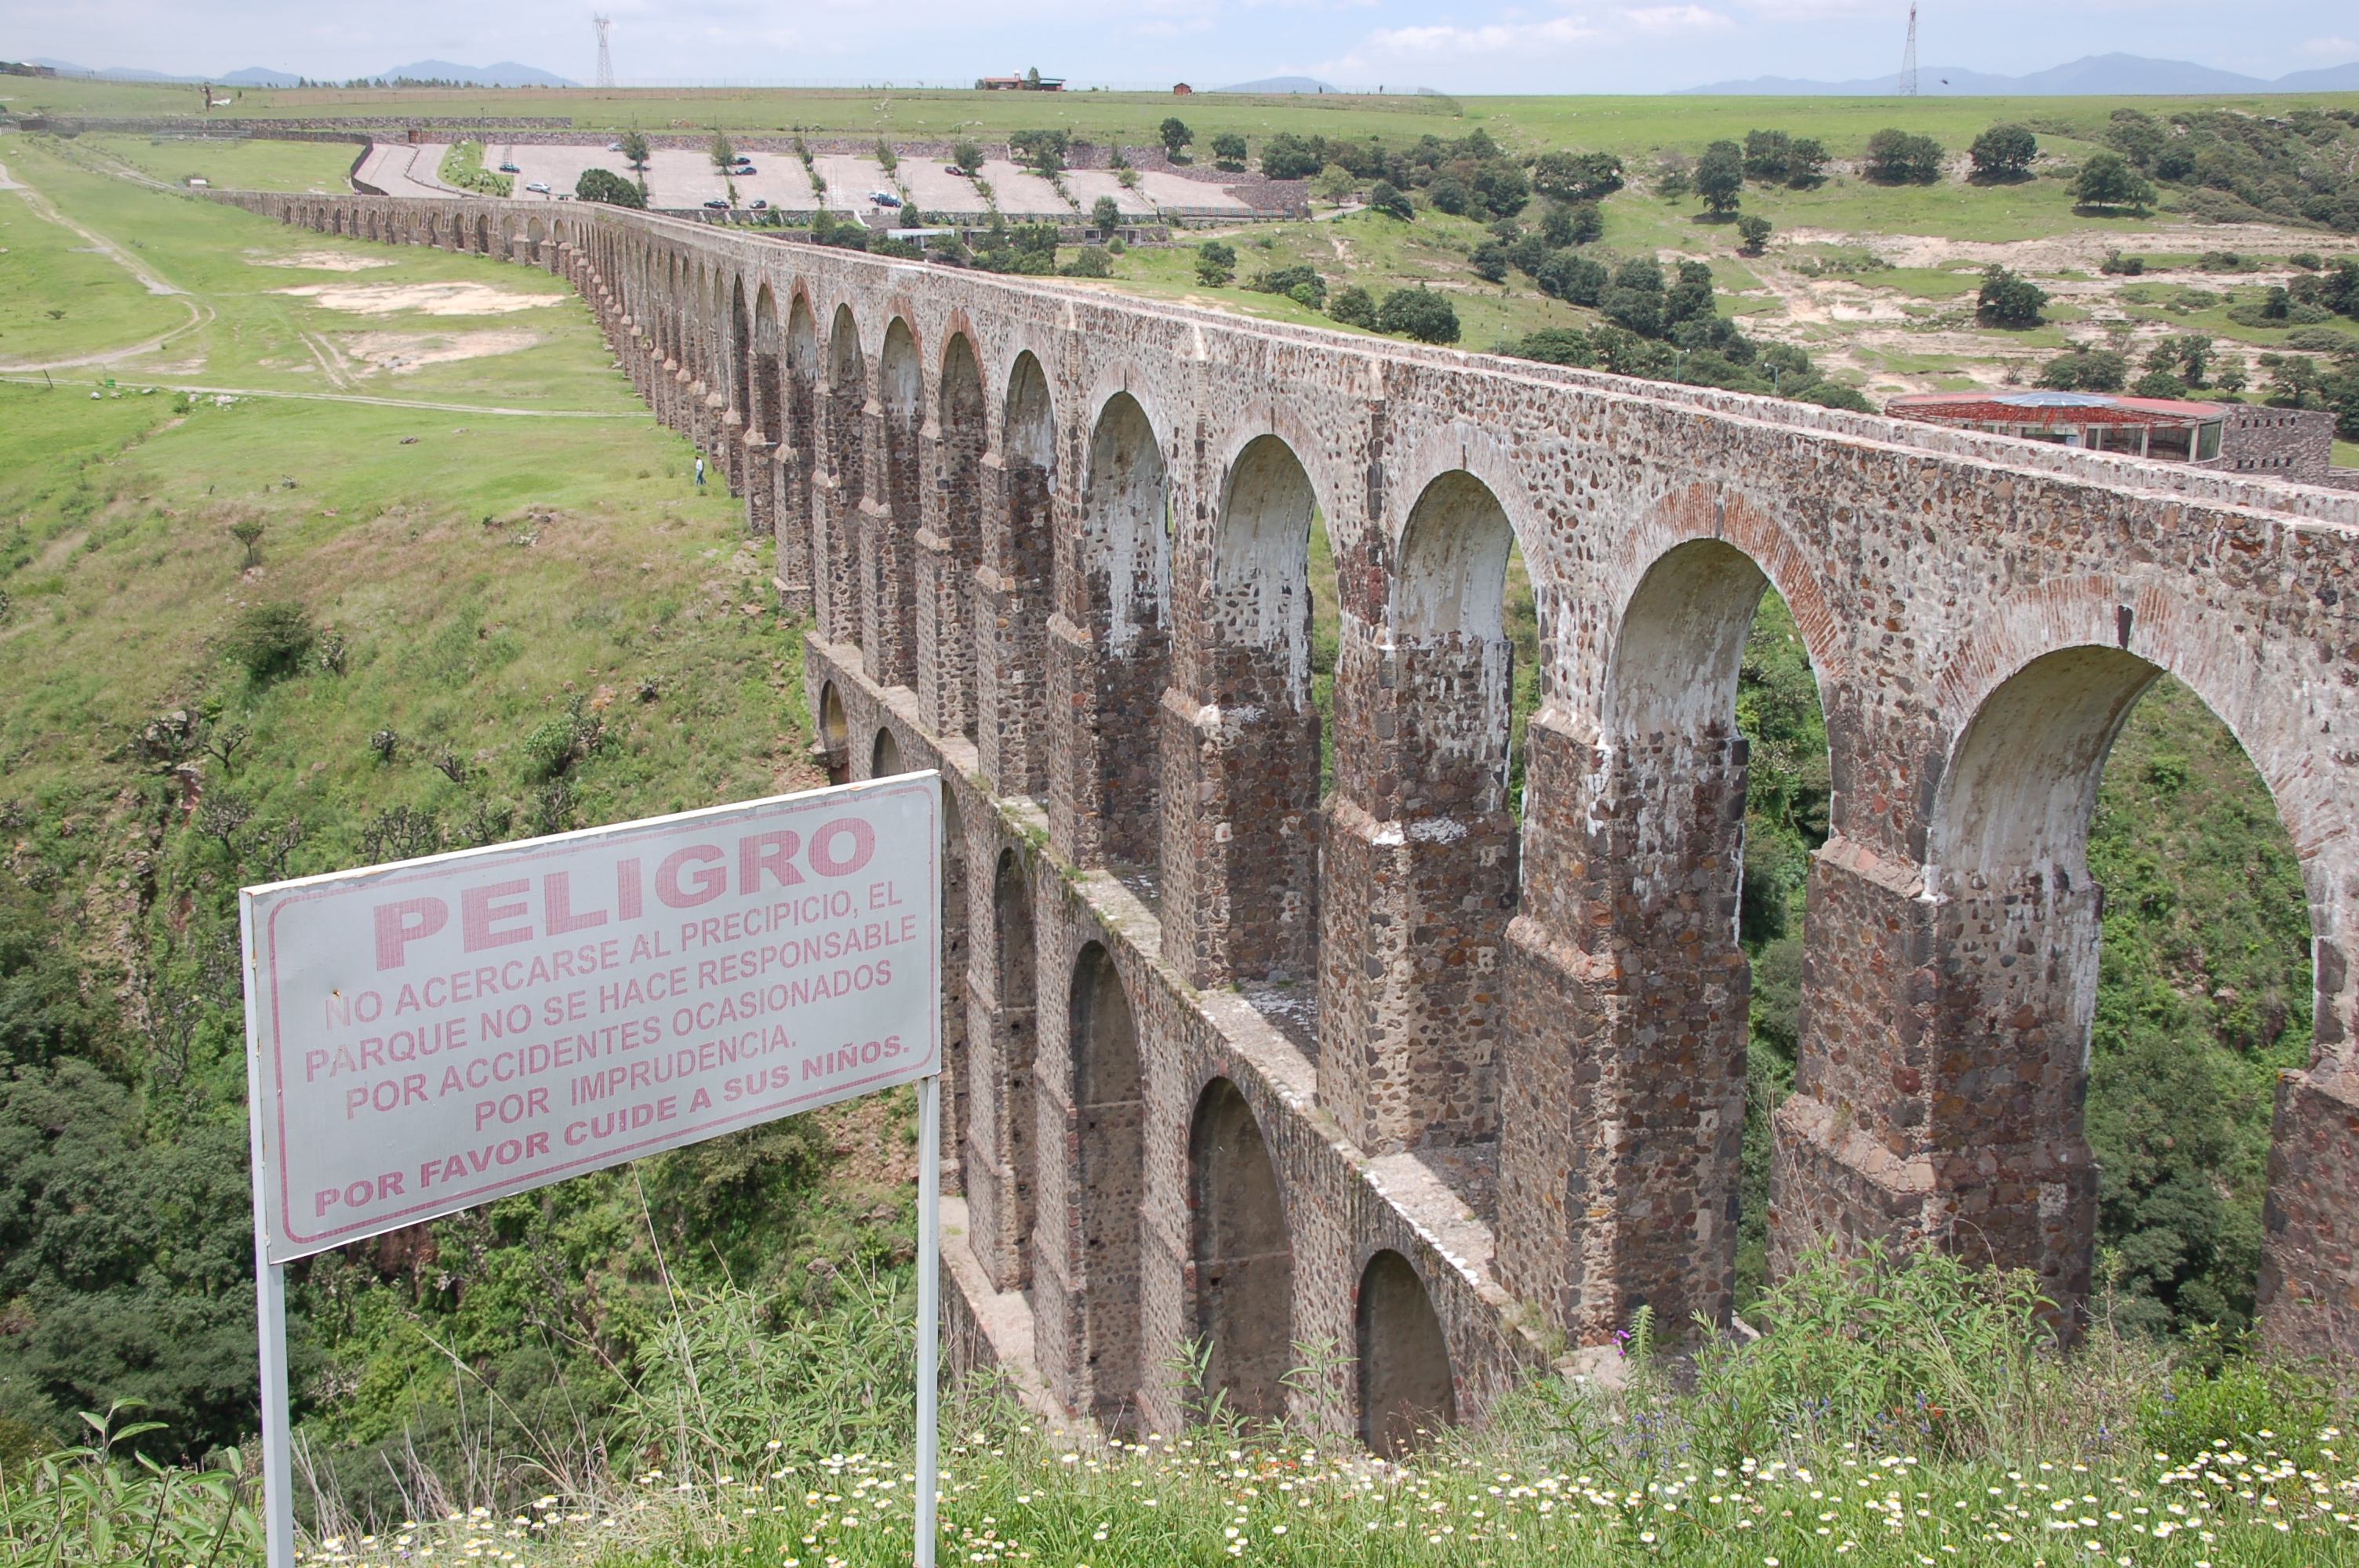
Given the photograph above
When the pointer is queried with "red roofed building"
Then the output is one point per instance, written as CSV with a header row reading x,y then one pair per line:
x,y
2297,444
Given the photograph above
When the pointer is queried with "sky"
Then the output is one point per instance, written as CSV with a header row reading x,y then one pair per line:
x,y
1456,45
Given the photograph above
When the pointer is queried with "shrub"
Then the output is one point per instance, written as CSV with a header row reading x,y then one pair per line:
x,y
2086,370
2121,265
1555,346
1229,153
1577,177
1090,260
1383,197
2158,383
2007,301
1418,313
1896,158
556,743
966,157
2106,181
1575,279
605,185
1335,183
1303,283
1175,135
1043,150
1216,264
1105,216
270,640
1283,156
1754,230
1833,394
1490,262
1575,223
2198,1413
2004,152
1449,194
1352,307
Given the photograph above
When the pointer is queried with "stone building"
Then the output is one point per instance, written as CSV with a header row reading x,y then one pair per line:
x,y
1383,1067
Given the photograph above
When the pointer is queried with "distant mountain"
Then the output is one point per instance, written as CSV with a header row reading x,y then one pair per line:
x,y
112,73
507,73
2106,75
1280,84
259,76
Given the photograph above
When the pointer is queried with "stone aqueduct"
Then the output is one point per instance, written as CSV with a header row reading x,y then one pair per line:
x,y
1053,542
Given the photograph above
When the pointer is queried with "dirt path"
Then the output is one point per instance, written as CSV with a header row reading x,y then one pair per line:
x,y
13,375
200,313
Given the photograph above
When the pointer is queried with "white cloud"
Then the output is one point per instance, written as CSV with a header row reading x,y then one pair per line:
x,y
1675,19
1447,41
2331,49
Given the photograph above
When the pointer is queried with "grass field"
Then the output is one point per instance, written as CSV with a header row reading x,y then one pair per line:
x,y
234,165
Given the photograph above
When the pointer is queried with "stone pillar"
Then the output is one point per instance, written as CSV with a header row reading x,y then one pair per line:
x,y
1416,891
2310,1257
888,525
1939,1093
1240,796
1622,1083
1011,613
998,1163
729,440
835,485
761,483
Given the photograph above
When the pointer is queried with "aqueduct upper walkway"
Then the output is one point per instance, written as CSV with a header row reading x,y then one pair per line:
x,y
1392,1071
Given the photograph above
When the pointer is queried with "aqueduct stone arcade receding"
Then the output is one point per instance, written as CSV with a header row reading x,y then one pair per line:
x,y
1053,542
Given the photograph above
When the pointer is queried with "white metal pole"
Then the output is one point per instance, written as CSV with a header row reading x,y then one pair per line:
x,y
929,1305
269,1293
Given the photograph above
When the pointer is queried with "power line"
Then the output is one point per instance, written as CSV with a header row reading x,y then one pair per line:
x,y
1907,56
605,26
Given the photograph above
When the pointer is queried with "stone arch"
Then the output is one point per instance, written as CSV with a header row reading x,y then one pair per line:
x,y
739,376
1241,1256
890,523
1420,852
1109,1187
535,232
1406,1391
799,544
946,671
884,756
482,234
842,483
1104,806
1003,1138
1013,591
1250,852
834,735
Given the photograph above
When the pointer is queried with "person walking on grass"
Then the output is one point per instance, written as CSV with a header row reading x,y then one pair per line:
x,y
700,471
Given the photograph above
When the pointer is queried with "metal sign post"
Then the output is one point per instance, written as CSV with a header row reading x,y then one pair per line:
x,y
427,1036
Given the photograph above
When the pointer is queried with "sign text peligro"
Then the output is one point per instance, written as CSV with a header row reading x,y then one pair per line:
x,y
435,1035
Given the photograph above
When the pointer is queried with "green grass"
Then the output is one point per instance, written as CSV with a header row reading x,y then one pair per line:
x,y
58,299
233,164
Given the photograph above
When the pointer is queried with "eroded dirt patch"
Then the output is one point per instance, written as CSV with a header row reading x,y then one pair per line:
x,y
324,261
425,298
403,353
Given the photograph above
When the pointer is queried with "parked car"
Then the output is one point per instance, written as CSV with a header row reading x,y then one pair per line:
x,y
744,168
540,185
510,169
718,205
884,199
613,147
761,204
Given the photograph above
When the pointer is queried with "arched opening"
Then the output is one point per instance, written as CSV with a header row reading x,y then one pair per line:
x,y
843,483
1001,1174
483,233
834,735
957,1060
1241,1261
946,689
1110,800
1252,855
1406,1393
889,637
1111,1159
1421,840
1012,600
884,757
798,516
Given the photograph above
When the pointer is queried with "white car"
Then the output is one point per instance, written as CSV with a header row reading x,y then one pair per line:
x,y
613,147
540,185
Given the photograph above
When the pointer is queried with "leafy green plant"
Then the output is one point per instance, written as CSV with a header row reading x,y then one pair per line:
x,y
87,1506
2254,1405
270,641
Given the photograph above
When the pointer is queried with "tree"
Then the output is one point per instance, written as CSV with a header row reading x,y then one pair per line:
x,y
2007,301
1768,155
1895,157
1043,150
1335,183
1806,165
1418,313
2158,383
1354,307
1105,216
966,157
724,155
634,149
1577,177
1383,197
1176,135
2004,152
1216,264
1720,176
2107,180
1754,230
1229,151
2086,369
1448,194
605,185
